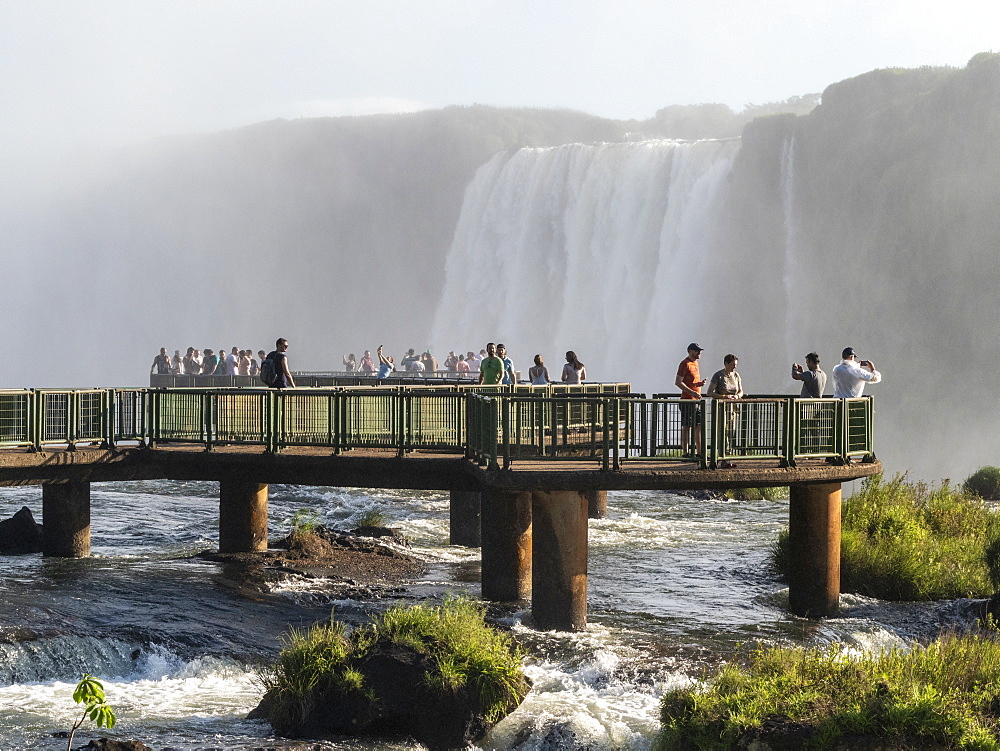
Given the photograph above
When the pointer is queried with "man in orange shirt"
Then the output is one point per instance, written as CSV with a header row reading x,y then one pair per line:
x,y
689,381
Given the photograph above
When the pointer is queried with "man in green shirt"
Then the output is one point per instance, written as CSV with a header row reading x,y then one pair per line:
x,y
491,368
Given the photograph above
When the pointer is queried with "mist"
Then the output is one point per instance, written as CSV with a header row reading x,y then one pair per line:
x,y
867,221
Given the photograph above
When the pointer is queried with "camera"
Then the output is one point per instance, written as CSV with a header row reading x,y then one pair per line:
x,y
865,362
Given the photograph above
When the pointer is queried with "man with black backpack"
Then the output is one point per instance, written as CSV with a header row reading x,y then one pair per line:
x,y
274,369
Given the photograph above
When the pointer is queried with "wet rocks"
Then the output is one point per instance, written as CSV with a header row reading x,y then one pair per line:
x,y
109,744
20,534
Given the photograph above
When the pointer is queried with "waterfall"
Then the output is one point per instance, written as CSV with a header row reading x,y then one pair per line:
x,y
791,271
599,248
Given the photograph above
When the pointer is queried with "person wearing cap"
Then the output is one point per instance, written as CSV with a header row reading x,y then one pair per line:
x,y
690,383
850,376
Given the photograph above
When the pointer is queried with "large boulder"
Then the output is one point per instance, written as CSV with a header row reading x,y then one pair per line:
x,y
396,704
439,675
20,534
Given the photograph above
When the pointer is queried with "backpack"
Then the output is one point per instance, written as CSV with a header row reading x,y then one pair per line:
x,y
267,372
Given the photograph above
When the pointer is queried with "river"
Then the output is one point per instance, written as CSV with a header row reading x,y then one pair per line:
x,y
676,584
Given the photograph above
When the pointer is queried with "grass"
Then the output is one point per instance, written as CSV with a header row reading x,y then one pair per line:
x,y
946,694
910,541
466,652
370,518
757,494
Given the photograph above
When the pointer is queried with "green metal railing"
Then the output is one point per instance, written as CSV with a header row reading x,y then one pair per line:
x,y
493,426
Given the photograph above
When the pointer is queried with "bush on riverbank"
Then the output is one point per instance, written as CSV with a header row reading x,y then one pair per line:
x,y
757,494
419,670
984,482
909,541
945,695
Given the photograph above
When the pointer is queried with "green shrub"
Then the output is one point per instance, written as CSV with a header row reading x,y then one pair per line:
x,y
304,521
944,695
984,482
757,494
465,651
909,541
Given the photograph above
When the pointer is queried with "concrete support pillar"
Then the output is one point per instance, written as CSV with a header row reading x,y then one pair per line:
x,y
464,518
559,565
242,516
506,546
597,504
814,549
66,519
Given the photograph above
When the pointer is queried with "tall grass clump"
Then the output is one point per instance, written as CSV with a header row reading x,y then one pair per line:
x,y
945,695
984,482
909,541
371,517
464,652
757,494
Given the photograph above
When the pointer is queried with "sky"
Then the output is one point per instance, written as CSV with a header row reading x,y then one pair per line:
x,y
109,72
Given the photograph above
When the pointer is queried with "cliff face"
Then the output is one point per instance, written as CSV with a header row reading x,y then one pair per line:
x,y
887,218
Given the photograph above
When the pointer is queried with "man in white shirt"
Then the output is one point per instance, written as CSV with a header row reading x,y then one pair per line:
x,y
849,377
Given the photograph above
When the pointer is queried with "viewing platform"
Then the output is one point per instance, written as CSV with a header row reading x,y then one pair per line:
x,y
526,466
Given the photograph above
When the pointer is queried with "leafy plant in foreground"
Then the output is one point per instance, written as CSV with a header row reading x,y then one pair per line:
x,y
90,692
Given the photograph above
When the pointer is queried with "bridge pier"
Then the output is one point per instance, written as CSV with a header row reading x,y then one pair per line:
x,y
597,504
464,518
66,519
814,549
559,560
506,546
242,516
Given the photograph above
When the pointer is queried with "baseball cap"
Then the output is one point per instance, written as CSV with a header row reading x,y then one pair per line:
x,y
695,345
849,352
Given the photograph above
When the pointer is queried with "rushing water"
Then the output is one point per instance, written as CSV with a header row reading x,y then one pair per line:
x,y
676,584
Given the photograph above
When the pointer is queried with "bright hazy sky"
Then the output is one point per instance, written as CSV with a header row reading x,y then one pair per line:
x,y
81,72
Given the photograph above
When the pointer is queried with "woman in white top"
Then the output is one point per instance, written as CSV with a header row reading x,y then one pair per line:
x,y
539,374
573,370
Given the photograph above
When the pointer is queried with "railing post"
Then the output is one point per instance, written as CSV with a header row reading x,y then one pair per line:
x,y
605,436
152,424
108,404
791,431
208,408
401,421
717,431
703,419
493,427
841,428
505,422
34,408
616,439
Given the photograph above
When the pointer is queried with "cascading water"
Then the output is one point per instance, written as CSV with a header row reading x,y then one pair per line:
x,y
598,248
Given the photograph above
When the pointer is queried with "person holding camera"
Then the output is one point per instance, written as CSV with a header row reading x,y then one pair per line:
x,y
850,376
812,376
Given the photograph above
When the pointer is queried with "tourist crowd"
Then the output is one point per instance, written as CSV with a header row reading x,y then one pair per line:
x,y
469,364
208,362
